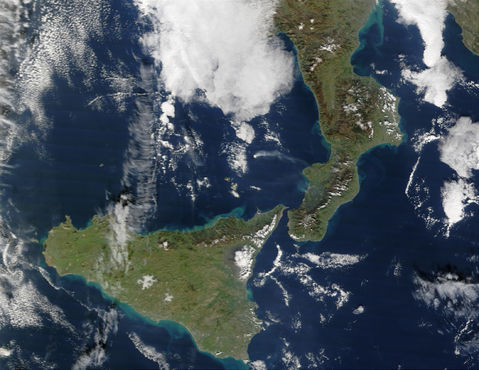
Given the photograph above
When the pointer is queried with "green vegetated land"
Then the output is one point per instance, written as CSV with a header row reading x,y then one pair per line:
x,y
466,14
196,278
356,113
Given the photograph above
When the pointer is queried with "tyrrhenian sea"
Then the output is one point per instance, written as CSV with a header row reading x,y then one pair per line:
x,y
381,290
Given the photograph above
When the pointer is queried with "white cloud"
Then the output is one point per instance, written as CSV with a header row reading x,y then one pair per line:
x,y
460,149
436,81
429,17
5,352
168,109
441,75
96,355
449,293
119,233
11,44
236,157
63,32
258,365
327,260
456,195
149,352
244,261
244,131
455,300
222,48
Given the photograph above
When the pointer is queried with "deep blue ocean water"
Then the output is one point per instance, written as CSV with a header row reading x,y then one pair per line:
x,y
395,329
380,223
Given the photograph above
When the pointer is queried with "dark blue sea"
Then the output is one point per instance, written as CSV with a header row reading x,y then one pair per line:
x,y
412,313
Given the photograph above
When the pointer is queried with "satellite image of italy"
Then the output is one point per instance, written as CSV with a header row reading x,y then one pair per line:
x,y
239,184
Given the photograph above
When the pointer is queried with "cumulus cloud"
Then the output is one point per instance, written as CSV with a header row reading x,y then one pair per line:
x,y
149,352
64,31
236,157
94,356
456,195
446,288
429,17
219,51
327,260
460,149
441,75
454,297
436,81
11,43
244,131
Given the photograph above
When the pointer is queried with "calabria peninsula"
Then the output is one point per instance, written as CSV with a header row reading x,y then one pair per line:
x,y
198,277
356,113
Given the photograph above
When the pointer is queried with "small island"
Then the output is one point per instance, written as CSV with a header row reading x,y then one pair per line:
x,y
195,277
356,113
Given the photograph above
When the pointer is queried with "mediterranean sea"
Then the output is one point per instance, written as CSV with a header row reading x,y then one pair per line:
x,y
372,313
399,312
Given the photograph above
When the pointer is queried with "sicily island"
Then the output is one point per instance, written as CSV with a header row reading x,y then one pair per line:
x,y
198,277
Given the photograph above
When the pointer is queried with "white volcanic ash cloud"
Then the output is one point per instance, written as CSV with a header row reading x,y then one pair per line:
x,y
223,49
441,75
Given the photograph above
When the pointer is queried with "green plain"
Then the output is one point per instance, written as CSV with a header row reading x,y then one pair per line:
x,y
195,279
